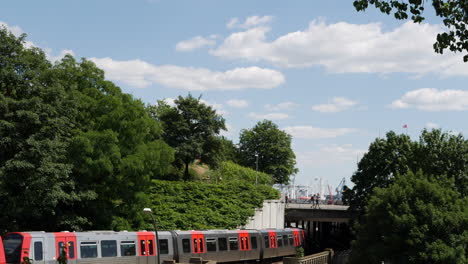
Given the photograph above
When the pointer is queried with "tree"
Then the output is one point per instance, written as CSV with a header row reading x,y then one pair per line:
x,y
35,117
436,153
417,219
454,14
385,158
191,128
75,152
116,148
273,147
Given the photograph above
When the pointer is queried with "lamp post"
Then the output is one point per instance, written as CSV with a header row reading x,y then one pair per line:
x,y
150,212
256,168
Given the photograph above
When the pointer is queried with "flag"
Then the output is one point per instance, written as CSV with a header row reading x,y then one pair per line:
x,y
405,126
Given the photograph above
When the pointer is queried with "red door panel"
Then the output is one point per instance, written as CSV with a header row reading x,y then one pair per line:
x,y
146,244
198,242
244,240
65,242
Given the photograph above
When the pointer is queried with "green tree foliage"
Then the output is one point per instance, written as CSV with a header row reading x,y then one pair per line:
x,y
116,151
417,219
232,172
436,153
454,14
191,128
35,117
75,152
197,205
273,147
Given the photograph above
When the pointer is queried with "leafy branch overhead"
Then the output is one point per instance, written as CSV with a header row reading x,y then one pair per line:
x,y
454,15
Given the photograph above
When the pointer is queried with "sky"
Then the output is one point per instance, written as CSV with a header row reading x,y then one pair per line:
x,y
333,78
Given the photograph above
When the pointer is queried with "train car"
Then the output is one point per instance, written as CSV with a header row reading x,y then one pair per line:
x,y
141,248
218,245
2,253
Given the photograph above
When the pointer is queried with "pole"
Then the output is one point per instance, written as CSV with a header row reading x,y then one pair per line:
x,y
256,169
148,210
157,239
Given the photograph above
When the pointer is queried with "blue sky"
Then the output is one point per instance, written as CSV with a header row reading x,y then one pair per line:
x,y
333,78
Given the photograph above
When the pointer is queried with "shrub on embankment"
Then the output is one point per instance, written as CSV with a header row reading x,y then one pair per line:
x,y
198,205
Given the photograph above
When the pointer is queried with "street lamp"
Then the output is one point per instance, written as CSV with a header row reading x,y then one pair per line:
x,y
256,169
150,212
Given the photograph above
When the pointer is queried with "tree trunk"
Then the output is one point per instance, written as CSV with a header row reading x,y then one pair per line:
x,y
186,172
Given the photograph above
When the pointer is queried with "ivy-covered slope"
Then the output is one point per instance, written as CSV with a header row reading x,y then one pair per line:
x,y
198,205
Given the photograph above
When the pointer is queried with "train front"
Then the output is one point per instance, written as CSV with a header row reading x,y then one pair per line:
x,y
16,247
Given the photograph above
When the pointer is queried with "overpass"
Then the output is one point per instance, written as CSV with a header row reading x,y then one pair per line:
x,y
325,225
295,212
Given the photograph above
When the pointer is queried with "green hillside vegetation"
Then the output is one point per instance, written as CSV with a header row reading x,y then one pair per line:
x,y
76,153
197,205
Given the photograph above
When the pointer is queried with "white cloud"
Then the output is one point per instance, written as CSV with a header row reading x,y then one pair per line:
x,y
228,132
140,74
269,116
428,99
218,107
329,155
347,48
309,132
17,31
337,104
195,43
169,101
432,125
252,21
238,103
281,106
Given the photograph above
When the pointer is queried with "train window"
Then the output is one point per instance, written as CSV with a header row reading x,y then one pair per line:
x,y
88,249
150,247
108,248
201,245
195,246
12,245
267,242
291,240
285,240
280,241
233,243
127,248
186,245
142,247
38,251
222,244
253,242
211,244
163,246
61,247
71,250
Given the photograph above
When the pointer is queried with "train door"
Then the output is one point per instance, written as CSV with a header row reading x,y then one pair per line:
x,y
38,250
297,239
244,245
198,244
65,246
273,242
147,253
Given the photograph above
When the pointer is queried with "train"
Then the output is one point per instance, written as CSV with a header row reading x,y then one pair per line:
x,y
90,247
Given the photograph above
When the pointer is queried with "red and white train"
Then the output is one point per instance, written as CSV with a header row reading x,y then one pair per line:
x,y
140,248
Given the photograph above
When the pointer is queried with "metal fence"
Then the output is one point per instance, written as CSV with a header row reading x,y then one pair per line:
x,y
319,258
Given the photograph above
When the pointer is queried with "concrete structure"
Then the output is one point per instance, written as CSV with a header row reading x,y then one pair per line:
x,y
271,215
325,213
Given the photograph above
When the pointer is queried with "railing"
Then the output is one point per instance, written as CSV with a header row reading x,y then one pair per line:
x,y
319,258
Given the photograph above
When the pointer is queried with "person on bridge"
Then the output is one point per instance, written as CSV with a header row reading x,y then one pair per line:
x,y
317,200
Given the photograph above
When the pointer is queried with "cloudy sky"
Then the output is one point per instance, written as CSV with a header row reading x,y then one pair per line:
x,y
333,78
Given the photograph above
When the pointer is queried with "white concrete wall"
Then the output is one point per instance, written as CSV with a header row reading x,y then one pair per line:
x,y
270,216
